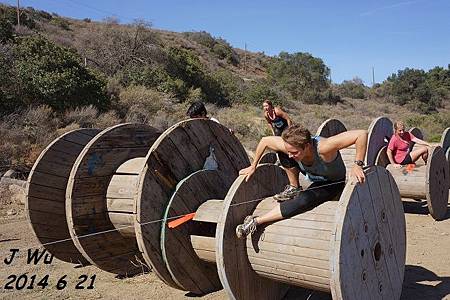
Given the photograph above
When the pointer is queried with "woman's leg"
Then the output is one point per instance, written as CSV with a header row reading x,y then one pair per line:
x,y
421,151
314,195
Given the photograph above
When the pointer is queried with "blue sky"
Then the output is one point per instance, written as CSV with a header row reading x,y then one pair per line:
x,y
350,36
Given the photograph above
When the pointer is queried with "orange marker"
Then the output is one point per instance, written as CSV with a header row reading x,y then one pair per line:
x,y
181,220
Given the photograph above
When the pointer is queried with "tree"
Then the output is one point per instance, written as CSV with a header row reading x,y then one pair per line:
x,y
352,88
48,74
299,73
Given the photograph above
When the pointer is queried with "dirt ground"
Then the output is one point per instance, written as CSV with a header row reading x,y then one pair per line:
x,y
427,273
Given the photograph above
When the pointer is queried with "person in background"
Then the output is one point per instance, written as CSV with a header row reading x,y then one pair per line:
x,y
198,110
278,120
399,146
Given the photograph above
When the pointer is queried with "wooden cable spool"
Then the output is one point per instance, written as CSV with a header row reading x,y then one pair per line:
x,y
430,182
445,140
379,132
176,155
46,191
90,212
268,158
351,248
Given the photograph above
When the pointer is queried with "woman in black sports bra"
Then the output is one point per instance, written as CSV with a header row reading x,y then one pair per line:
x,y
276,118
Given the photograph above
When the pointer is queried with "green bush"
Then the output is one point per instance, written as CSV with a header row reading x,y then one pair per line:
x,y
352,89
258,92
300,74
49,74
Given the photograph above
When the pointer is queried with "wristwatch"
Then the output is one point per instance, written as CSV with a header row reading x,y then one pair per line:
x,y
359,163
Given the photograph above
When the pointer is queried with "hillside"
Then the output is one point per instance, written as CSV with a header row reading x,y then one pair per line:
x,y
58,74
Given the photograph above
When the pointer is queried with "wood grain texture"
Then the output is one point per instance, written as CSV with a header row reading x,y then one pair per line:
x,y
238,278
180,151
186,268
380,131
330,127
417,133
368,247
268,158
445,140
46,193
86,204
437,183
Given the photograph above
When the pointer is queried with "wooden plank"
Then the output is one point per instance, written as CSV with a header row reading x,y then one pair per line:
x,y
122,186
87,188
445,140
209,211
379,133
361,264
185,267
178,152
236,274
121,205
45,191
330,127
437,183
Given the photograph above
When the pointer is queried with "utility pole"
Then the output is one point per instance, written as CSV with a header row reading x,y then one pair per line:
x,y
245,58
18,13
373,76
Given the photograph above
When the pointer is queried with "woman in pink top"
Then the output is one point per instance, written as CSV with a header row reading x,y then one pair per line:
x,y
399,145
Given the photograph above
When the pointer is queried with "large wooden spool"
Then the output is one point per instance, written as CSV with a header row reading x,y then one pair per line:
x,y
86,197
445,140
379,132
430,182
352,248
268,158
46,191
178,153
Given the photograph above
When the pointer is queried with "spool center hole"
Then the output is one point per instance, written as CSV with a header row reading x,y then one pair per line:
x,y
377,251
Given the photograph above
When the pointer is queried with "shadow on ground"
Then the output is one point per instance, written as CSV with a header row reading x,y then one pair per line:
x,y
419,283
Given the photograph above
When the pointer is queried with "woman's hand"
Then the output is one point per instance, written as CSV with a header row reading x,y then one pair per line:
x,y
248,172
358,173
397,166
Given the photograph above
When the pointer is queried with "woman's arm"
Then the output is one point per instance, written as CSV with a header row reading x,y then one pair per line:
x,y
269,124
274,143
390,156
331,145
419,141
284,115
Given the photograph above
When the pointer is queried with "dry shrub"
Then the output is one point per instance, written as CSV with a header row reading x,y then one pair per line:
x,y
247,123
85,116
70,127
139,104
107,119
24,134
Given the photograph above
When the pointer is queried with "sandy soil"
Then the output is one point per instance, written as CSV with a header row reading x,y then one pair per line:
x,y
427,274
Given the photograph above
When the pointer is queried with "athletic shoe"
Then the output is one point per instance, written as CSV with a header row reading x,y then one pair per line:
x,y
289,193
248,227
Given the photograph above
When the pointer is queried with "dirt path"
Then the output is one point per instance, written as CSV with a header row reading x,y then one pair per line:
x,y
427,274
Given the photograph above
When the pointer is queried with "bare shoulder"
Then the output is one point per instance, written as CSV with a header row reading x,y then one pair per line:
x,y
279,110
274,143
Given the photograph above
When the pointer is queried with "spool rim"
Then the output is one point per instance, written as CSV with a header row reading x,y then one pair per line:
x,y
437,183
330,127
94,168
357,237
379,128
214,188
230,250
159,178
76,256
445,140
